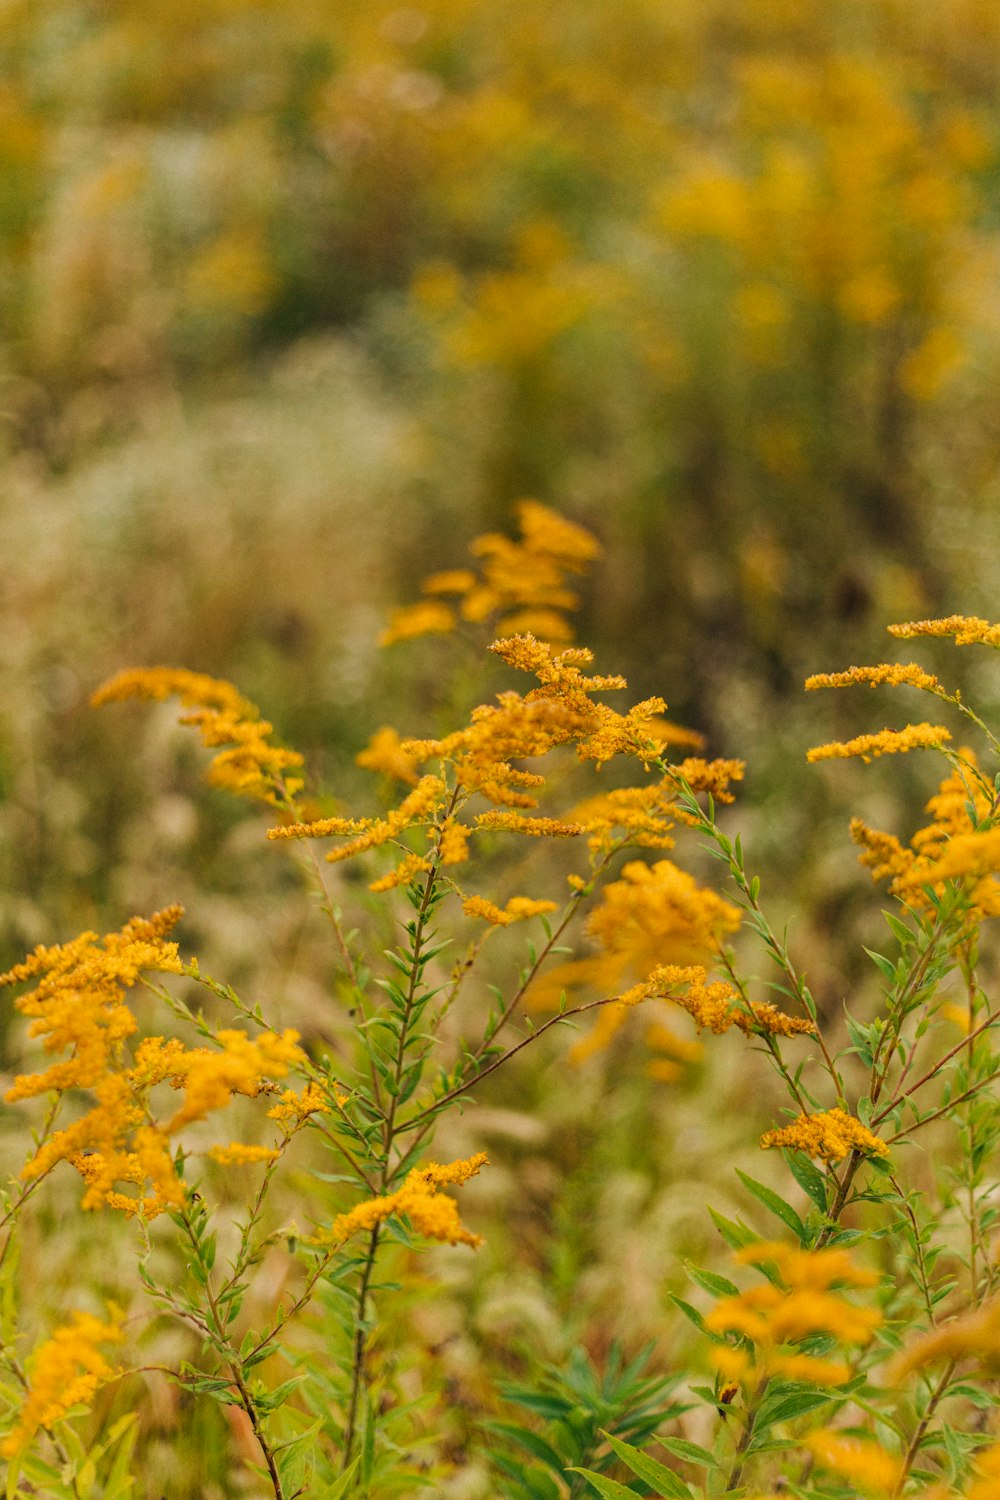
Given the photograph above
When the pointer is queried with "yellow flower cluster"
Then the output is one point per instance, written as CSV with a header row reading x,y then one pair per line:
x,y
251,767
862,1462
517,909
431,1213
807,1301
891,674
520,585
293,1109
965,630
659,914
646,815
79,1006
63,1372
385,753
950,847
976,1336
828,1134
884,742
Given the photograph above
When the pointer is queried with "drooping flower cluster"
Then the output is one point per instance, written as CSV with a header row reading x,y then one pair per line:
x,y
63,1372
251,766
519,586
805,1299
430,1212
79,1006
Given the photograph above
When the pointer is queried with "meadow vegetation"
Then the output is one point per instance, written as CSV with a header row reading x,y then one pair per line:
x,y
514,1089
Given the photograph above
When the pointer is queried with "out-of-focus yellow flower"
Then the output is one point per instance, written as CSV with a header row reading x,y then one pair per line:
x,y
252,767
64,1372
806,1301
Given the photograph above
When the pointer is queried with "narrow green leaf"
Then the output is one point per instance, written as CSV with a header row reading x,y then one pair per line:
x,y
668,1484
691,1453
777,1205
608,1489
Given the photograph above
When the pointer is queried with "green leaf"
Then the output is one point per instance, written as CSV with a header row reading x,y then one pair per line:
x,y
885,966
808,1176
690,1452
710,1281
694,1316
782,1210
669,1485
791,1404
608,1489
339,1487
530,1441
736,1236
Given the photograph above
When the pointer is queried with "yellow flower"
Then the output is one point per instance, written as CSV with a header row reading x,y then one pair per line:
x,y
898,674
431,1213
294,1109
405,873
951,846
79,1003
237,1154
965,630
64,1372
518,909
210,1079
520,585
829,1134
805,1303
384,753
252,767
429,617
975,1336
539,828
884,742
861,1461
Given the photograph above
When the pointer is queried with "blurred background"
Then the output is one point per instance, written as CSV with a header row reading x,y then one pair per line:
x,y
297,298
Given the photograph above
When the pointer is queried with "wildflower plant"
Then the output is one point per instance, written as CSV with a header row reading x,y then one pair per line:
x,y
861,1350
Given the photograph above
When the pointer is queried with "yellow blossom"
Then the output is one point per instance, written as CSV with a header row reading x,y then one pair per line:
x,y
210,1078
64,1372
987,1480
405,873
828,1134
431,1213
975,1336
803,1303
884,742
429,617
965,630
384,753
900,674
252,767
294,1109
79,1003
518,909
975,854
453,842
237,1154
451,581
952,846
519,584
861,1461
539,828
